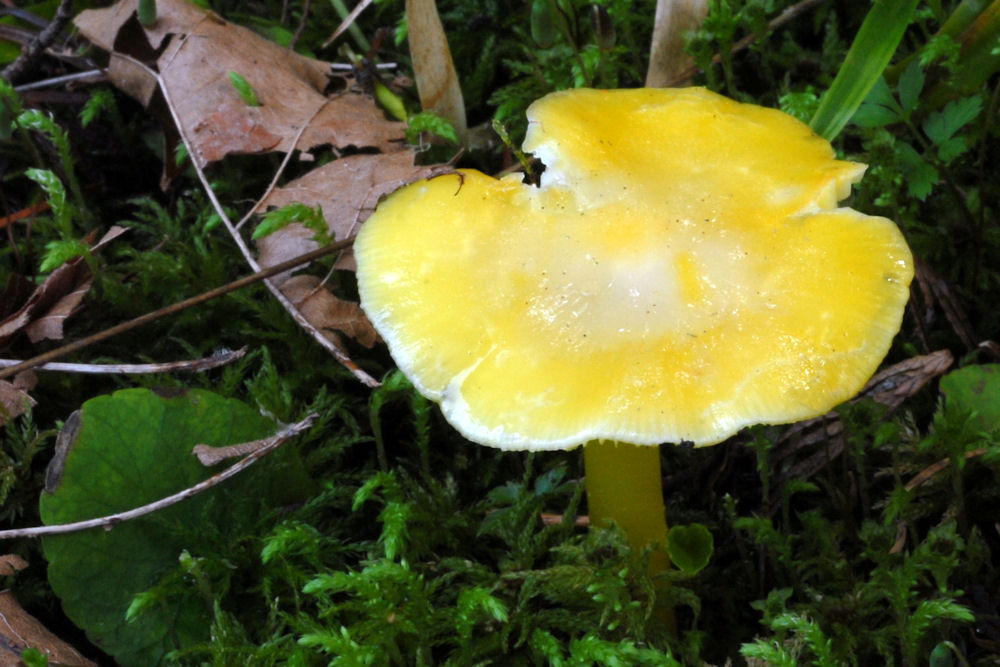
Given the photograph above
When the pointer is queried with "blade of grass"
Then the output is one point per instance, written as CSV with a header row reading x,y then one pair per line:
x,y
871,51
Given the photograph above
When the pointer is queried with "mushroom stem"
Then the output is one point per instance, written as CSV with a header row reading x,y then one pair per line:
x,y
624,484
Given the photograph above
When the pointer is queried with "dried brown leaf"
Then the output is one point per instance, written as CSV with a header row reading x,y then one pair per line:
x,y
64,280
895,384
817,442
348,190
327,312
936,292
13,401
11,564
25,380
19,630
195,50
45,310
284,244
50,325
228,130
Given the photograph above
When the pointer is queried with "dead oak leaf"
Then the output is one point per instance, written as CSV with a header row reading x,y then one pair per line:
x,y
11,564
50,325
19,630
348,190
45,310
218,134
895,384
14,401
194,51
326,312
65,280
286,243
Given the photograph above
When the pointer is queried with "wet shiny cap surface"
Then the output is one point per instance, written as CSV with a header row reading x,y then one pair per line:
x,y
682,272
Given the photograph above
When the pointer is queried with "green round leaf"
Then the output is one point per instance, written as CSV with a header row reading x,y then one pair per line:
x,y
120,452
690,547
976,389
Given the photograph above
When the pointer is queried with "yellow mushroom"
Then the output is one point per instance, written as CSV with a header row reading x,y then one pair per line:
x,y
682,271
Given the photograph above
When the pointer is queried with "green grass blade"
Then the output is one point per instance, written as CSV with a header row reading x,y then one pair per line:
x,y
871,51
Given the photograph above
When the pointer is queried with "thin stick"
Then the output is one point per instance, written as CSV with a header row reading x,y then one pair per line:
x,y
33,50
51,355
90,76
112,520
296,314
220,358
347,22
302,26
281,170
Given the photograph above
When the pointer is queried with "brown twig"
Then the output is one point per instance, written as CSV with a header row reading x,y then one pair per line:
x,y
174,308
34,49
220,358
24,213
112,520
277,174
296,314
930,471
920,478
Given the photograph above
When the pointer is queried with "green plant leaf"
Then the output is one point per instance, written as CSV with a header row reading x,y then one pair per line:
x,y
32,657
543,23
10,108
100,100
55,193
122,451
690,547
389,100
870,52
919,174
426,121
880,108
58,253
802,105
941,126
911,82
977,390
33,119
147,12
279,218
244,88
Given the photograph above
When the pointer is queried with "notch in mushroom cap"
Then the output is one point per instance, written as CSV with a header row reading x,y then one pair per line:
x,y
683,271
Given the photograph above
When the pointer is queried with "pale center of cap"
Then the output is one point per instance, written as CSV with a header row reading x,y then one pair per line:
x,y
614,278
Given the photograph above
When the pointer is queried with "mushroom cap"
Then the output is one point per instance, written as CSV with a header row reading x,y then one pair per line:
x,y
683,271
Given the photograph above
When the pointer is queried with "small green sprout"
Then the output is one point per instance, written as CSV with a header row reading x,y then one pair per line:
x,y
244,88
147,12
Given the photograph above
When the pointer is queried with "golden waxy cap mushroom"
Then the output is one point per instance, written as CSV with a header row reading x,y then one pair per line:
x,y
682,271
